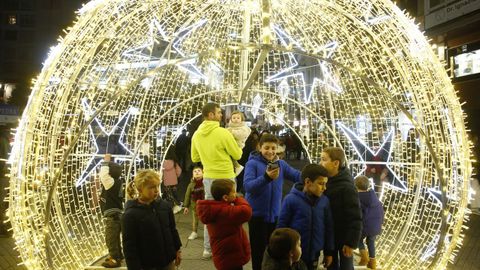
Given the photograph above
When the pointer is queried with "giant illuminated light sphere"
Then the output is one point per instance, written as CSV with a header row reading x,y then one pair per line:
x,y
130,74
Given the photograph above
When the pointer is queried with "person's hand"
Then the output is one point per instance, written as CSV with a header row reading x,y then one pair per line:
x,y
273,174
327,260
373,170
107,157
185,210
178,259
347,251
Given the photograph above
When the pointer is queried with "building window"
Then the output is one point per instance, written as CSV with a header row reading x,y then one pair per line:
x,y
11,5
26,5
12,19
10,53
27,20
27,36
10,35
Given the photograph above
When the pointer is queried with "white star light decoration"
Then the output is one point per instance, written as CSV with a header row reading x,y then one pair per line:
x,y
116,146
366,154
157,34
308,83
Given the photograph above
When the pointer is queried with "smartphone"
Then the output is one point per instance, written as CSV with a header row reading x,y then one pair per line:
x,y
272,166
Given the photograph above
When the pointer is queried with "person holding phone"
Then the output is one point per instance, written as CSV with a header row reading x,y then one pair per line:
x,y
263,184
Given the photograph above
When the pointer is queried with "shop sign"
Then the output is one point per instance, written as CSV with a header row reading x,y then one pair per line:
x,y
450,12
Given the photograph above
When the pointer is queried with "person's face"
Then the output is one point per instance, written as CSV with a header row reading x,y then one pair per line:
x,y
296,253
317,186
236,118
197,173
269,150
231,196
149,191
216,116
329,164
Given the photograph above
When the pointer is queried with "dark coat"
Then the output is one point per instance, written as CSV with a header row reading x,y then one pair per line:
x,y
372,212
229,241
311,218
346,212
150,237
263,193
269,263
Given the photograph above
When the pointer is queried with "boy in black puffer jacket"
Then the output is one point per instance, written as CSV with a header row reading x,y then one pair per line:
x,y
345,205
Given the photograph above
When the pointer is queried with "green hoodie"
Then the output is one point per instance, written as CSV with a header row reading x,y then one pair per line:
x,y
215,147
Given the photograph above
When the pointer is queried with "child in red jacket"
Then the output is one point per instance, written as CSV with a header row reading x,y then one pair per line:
x,y
224,218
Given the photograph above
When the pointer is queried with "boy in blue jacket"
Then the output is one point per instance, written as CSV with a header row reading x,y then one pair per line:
x,y
305,210
263,182
372,212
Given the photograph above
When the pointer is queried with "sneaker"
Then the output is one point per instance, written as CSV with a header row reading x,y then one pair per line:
x,y
206,255
111,263
177,209
238,169
193,236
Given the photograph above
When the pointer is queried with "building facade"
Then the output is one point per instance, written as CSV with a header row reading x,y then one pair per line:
x,y
27,29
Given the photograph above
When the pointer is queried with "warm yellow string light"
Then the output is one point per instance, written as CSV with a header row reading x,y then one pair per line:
x,y
135,72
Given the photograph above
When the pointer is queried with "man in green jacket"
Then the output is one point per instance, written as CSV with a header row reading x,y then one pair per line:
x,y
215,147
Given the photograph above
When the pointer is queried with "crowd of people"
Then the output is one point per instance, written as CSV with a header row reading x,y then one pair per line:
x,y
321,217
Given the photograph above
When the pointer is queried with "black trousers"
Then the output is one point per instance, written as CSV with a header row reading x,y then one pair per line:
x,y
259,232
341,262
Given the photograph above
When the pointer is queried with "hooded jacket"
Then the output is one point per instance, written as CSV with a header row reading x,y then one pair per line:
x,y
312,218
346,212
372,212
171,172
215,147
263,193
228,239
150,237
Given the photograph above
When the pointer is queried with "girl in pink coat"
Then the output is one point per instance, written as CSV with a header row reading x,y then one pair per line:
x,y
170,172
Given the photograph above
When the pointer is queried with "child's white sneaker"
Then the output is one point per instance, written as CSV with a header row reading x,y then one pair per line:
x,y
238,169
206,255
177,209
193,236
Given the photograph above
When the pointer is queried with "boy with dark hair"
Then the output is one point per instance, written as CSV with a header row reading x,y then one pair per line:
x,y
111,204
345,207
284,251
305,210
372,211
263,183
224,218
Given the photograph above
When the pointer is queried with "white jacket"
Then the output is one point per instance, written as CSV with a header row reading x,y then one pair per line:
x,y
240,132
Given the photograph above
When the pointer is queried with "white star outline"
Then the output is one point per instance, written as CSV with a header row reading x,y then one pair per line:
x,y
352,136
327,78
88,113
156,28
372,20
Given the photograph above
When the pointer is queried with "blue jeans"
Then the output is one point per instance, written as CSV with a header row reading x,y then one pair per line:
x,y
207,185
370,245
